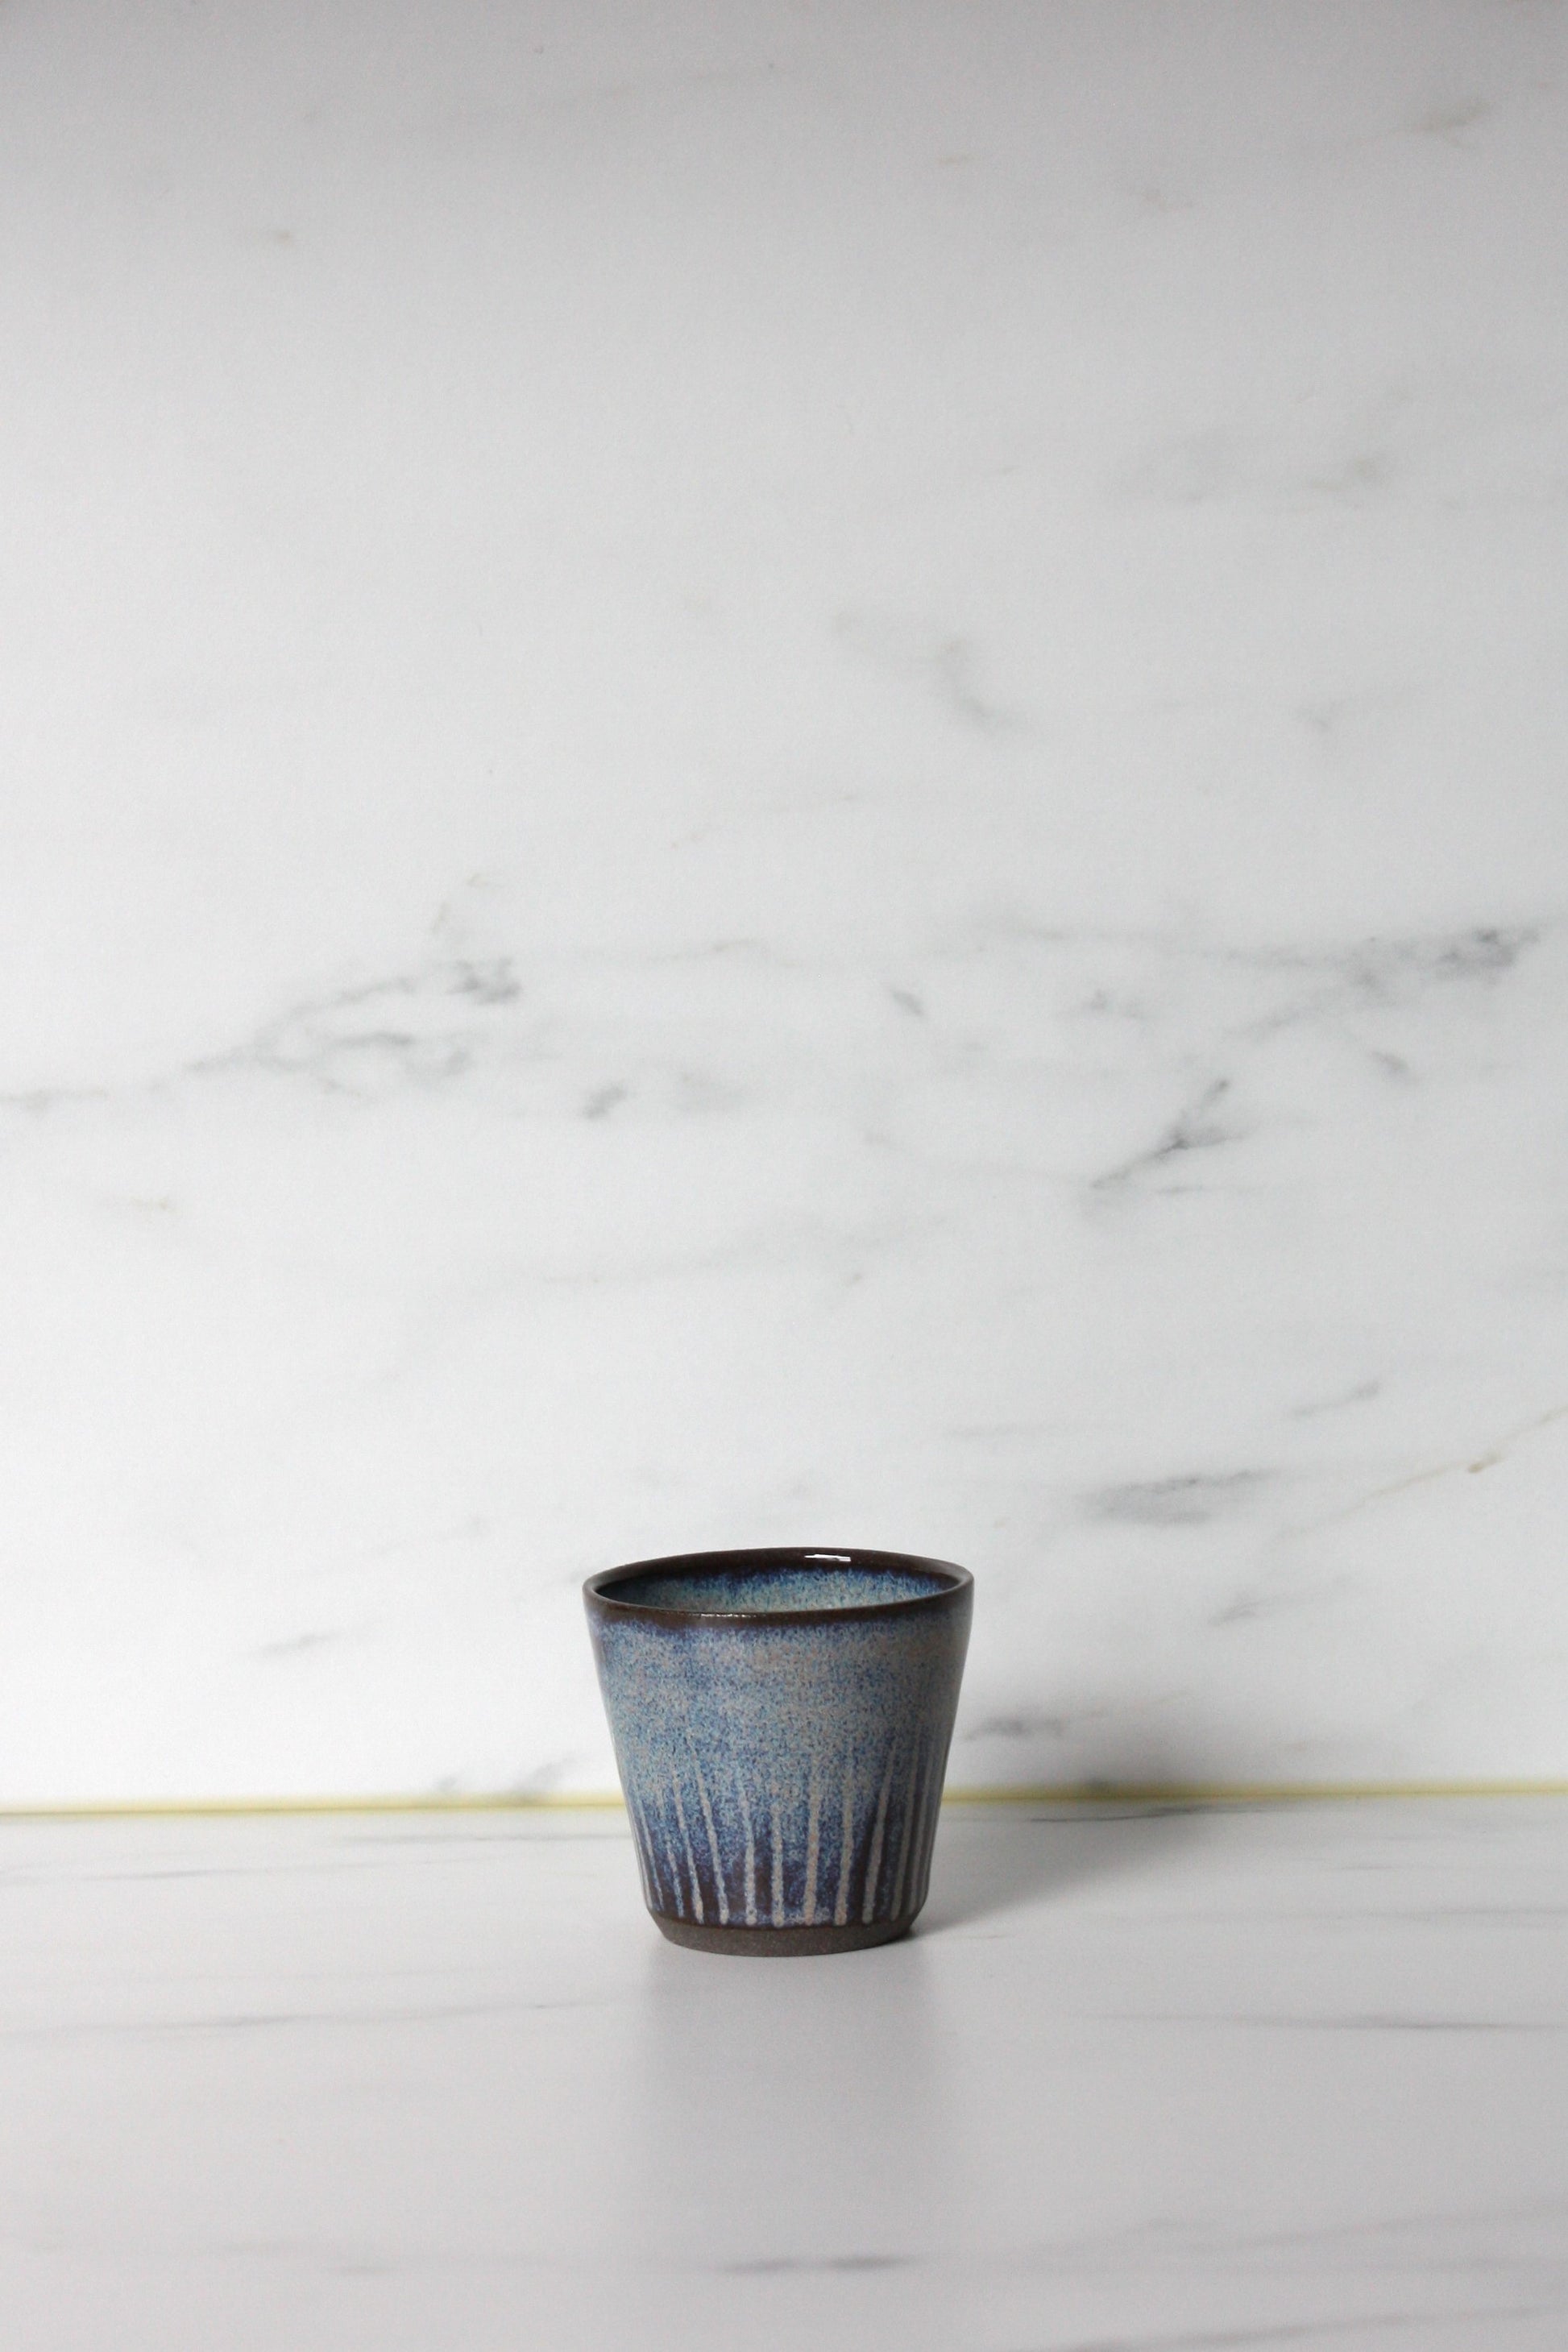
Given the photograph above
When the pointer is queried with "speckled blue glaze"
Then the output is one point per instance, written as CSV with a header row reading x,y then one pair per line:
x,y
781,1721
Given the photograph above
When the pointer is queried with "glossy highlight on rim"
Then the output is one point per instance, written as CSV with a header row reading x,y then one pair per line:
x,y
600,1590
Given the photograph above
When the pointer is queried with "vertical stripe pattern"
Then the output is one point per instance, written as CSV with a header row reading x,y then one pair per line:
x,y
704,1858
881,1855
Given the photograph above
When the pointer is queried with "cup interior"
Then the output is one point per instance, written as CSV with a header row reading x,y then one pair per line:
x,y
761,1584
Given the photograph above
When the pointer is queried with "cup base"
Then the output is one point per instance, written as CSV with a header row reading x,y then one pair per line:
x,y
781,1943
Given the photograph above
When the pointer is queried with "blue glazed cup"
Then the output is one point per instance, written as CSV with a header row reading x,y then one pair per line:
x,y
781,1721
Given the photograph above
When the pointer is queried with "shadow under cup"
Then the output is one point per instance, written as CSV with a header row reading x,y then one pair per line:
x,y
781,1721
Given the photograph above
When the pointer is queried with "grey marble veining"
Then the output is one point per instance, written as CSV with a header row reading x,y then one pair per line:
x,y
1164,2079
782,777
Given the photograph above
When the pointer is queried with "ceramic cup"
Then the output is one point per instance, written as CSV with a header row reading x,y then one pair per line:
x,y
781,1721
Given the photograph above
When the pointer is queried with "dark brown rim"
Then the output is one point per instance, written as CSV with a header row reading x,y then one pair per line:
x,y
599,1591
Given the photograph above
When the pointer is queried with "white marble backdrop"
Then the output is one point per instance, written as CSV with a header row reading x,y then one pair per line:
x,y
782,772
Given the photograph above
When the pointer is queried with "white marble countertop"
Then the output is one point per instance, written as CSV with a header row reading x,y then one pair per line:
x,y
1165,2079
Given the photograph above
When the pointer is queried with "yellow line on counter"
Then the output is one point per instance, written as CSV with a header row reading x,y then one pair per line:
x,y
157,1809
1108,1792
1248,1792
